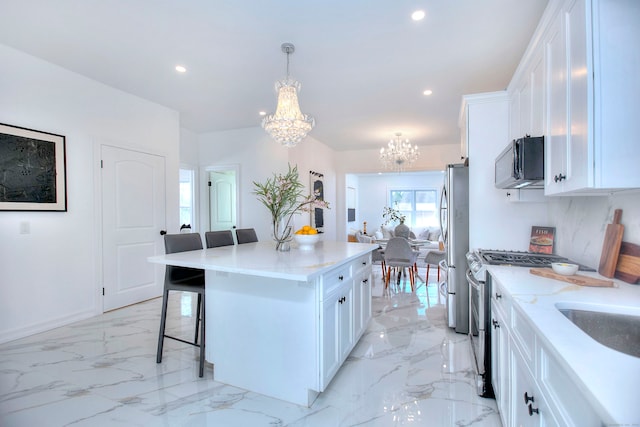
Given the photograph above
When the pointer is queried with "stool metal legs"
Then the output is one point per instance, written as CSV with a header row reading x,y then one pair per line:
x,y
199,333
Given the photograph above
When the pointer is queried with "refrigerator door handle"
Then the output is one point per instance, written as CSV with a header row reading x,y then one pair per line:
x,y
443,210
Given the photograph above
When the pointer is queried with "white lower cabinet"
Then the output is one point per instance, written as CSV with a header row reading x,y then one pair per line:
x,y
531,386
500,357
345,313
528,405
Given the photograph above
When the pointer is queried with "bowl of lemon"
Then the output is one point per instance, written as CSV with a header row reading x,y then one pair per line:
x,y
306,237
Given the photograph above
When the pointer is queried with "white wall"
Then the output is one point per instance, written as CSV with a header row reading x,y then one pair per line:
x,y
581,223
494,221
51,276
312,155
258,157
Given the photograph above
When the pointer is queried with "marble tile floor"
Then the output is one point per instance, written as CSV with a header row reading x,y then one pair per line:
x,y
408,369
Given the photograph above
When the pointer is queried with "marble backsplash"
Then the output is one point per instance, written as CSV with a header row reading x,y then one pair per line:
x,y
581,223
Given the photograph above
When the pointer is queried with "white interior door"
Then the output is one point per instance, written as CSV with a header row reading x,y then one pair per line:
x,y
133,213
222,197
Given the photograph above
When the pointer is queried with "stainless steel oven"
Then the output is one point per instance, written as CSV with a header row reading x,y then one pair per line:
x,y
480,331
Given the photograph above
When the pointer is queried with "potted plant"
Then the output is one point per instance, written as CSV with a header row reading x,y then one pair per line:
x,y
392,215
284,196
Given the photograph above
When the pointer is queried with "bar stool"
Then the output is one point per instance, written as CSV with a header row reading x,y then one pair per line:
x,y
246,235
186,280
215,239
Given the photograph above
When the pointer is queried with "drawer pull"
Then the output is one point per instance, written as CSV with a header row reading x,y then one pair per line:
x,y
528,398
532,410
498,296
341,277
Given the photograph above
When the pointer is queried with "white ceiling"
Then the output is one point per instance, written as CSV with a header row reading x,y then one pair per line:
x,y
363,64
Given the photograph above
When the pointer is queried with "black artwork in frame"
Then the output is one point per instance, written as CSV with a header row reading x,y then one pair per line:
x,y
32,170
317,214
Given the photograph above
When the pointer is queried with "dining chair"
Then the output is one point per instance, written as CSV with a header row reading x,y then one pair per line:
x,y
377,256
185,280
246,235
399,255
216,239
433,258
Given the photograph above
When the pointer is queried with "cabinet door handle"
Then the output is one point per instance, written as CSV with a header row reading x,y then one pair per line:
x,y
559,177
496,324
498,296
533,410
341,277
365,281
528,398
163,232
364,262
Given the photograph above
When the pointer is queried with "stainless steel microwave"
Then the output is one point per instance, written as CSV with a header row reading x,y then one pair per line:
x,y
521,164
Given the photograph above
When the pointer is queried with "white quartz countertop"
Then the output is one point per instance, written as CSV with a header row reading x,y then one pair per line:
x,y
608,378
261,259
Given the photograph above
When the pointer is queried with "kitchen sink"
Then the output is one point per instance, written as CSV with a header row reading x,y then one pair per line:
x,y
618,331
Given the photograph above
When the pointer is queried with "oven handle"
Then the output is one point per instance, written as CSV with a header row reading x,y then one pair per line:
x,y
472,281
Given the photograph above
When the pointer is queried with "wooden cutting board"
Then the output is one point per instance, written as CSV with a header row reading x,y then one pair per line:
x,y
576,279
611,246
628,267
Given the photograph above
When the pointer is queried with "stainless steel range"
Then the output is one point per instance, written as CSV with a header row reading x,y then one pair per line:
x,y
478,260
480,307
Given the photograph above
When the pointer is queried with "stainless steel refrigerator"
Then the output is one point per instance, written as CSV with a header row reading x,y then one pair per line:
x,y
454,224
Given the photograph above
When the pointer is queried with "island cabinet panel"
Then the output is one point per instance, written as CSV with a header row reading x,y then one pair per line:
x,y
262,334
282,323
336,331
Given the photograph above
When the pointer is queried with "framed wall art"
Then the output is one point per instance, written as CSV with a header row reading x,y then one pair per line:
x,y
32,170
317,214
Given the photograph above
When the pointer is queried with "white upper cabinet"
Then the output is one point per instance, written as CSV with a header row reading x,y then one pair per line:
x,y
577,85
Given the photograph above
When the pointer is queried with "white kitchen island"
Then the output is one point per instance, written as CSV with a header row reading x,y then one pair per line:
x,y
282,323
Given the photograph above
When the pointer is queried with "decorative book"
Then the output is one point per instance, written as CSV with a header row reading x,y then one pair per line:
x,y
542,239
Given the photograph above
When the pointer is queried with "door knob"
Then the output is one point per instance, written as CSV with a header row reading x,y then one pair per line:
x,y
163,232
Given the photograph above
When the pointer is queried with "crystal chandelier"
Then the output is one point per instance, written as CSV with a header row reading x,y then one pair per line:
x,y
398,153
288,125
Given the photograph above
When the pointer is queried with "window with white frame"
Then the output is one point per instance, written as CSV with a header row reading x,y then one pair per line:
x,y
419,207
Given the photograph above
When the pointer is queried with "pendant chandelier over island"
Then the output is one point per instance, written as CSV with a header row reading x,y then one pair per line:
x,y
288,125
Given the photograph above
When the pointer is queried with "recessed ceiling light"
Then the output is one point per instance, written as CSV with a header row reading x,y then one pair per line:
x,y
181,69
418,15
263,113
427,92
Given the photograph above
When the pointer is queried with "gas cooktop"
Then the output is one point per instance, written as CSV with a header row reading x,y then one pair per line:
x,y
524,259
